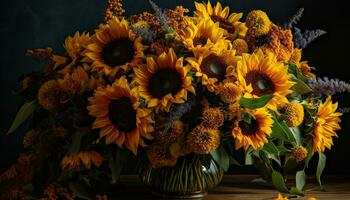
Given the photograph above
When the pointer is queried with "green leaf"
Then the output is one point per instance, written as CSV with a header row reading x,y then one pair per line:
x,y
247,117
248,157
76,142
281,131
297,135
278,181
320,167
296,71
300,180
254,103
115,165
296,191
233,161
270,147
221,157
300,87
24,112
80,191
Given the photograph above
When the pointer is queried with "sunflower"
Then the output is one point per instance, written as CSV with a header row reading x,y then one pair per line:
x,y
228,22
164,81
280,197
254,134
114,47
214,66
81,159
119,117
327,122
261,74
204,34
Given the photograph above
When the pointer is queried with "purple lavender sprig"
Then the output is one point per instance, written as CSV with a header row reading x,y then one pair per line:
x,y
295,19
301,40
344,110
328,87
146,34
177,112
161,16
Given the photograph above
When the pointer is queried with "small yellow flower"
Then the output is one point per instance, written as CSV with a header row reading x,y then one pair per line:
x,y
202,140
280,197
240,46
295,56
177,129
26,82
230,92
258,23
29,138
160,156
299,153
213,118
295,114
50,96
312,198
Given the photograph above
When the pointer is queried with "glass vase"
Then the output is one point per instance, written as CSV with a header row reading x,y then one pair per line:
x,y
192,177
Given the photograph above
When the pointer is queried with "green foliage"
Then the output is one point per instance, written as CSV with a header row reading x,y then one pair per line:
x,y
300,179
278,181
300,87
320,167
76,142
23,114
221,157
254,103
281,131
80,190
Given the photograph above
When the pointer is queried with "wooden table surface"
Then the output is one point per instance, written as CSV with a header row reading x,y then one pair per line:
x,y
240,187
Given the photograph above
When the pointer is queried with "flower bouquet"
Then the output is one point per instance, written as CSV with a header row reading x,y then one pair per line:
x,y
186,95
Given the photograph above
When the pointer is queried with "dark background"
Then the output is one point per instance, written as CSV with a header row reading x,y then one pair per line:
x,y
41,23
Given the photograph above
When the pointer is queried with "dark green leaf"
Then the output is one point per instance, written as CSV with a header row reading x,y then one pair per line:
x,y
278,181
22,115
300,180
80,190
300,87
115,165
271,148
221,157
296,191
281,131
254,103
233,161
76,142
247,117
320,167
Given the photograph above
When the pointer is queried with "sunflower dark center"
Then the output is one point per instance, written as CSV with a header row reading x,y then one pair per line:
x,y
214,67
118,52
122,114
261,83
165,81
249,129
200,41
223,23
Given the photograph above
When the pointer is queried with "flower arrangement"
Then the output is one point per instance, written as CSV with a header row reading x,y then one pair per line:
x,y
167,85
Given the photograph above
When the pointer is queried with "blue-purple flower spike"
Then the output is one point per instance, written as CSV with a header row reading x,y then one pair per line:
x,y
301,40
328,87
295,19
146,34
160,14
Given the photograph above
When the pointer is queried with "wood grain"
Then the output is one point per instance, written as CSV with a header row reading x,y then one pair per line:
x,y
240,187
